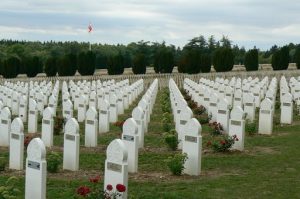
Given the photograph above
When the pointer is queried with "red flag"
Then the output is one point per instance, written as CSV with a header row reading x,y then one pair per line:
x,y
90,28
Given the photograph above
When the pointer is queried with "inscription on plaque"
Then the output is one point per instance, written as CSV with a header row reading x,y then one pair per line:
x,y
81,105
92,100
265,111
222,111
32,112
14,100
46,121
213,104
248,104
256,94
183,122
228,95
51,105
191,139
4,121
286,104
237,99
236,123
33,165
70,137
206,99
114,167
15,136
128,138
112,105
91,122
67,112
103,112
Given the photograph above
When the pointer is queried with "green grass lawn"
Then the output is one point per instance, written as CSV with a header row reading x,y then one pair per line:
x,y
268,168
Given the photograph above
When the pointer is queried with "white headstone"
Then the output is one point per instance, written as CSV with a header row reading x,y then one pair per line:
x,y
286,116
81,108
138,116
71,145
223,114
32,116
237,127
192,146
104,117
36,170
16,148
116,166
113,109
47,127
91,128
131,141
23,108
5,125
265,117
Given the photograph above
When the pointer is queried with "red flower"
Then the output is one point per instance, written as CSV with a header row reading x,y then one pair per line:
x,y
121,188
109,187
208,143
222,142
83,191
95,179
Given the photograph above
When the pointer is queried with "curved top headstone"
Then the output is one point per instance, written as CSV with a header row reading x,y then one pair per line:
x,y
48,113
266,104
130,127
237,113
72,126
5,113
17,126
117,152
36,150
193,127
137,113
91,113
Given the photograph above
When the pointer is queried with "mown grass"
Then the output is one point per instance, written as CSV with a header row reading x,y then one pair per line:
x,y
268,168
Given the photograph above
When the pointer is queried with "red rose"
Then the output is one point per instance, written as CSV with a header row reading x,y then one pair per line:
x,y
95,179
83,191
109,187
208,143
121,188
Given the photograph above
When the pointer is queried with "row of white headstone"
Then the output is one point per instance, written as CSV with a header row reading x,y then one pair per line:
x,y
188,130
122,154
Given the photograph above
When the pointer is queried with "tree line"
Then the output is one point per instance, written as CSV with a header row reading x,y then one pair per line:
x,y
198,55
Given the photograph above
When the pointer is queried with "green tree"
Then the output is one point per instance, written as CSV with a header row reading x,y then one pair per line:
x,y
139,64
63,66
251,60
280,59
116,64
11,67
50,67
33,66
205,63
297,57
223,59
164,60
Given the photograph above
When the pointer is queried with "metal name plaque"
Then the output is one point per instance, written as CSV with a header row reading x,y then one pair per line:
x,y
221,91
237,99
248,104
33,165
256,94
114,167
213,104
32,112
183,122
92,100
201,95
206,99
128,138
228,95
51,105
286,104
103,112
22,106
112,105
4,121
70,137
138,122
120,100
91,122
15,136
191,139
76,96
222,111
236,123
46,122
265,111
178,111
81,105
14,100
67,112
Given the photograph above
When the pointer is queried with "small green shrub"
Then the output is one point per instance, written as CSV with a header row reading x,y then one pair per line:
x,y
250,128
203,119
168,117
176,163
216,129
171,139
3,163
53,162
199,110
9,191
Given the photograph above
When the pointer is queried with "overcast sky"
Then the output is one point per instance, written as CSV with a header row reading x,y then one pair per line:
x,y
248,23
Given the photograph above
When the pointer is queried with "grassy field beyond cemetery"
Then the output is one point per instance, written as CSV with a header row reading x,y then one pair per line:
x,y
268,168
